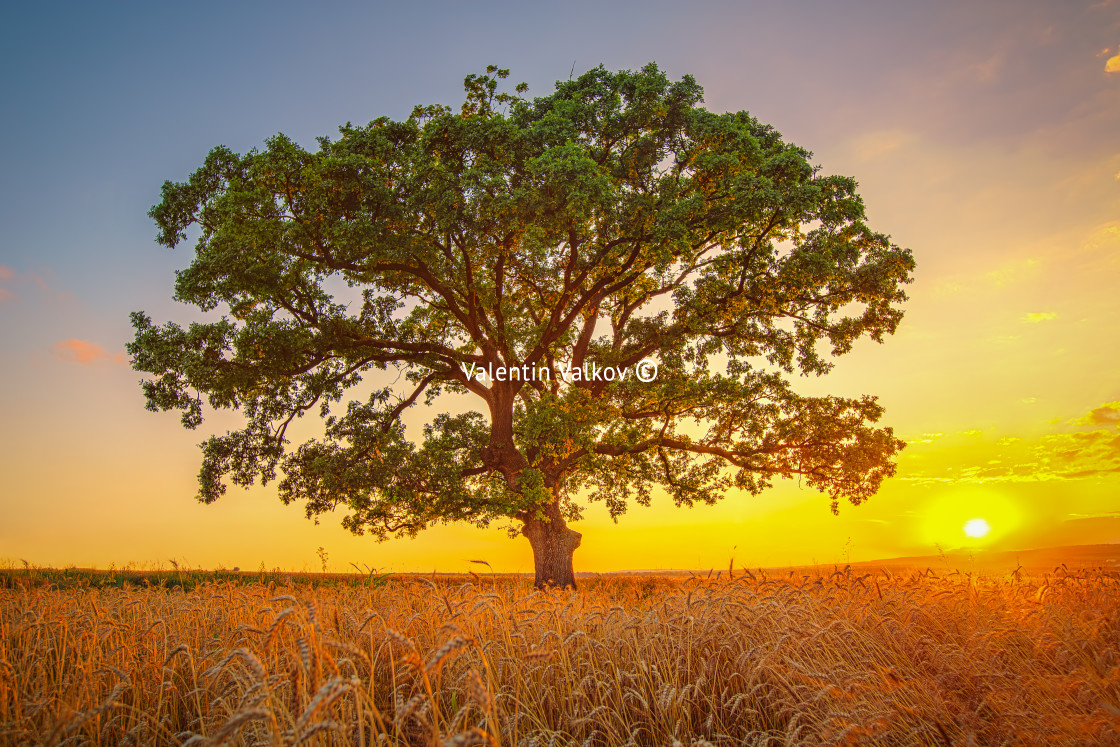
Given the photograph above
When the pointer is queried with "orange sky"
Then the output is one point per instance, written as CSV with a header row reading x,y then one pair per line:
x,y
988,147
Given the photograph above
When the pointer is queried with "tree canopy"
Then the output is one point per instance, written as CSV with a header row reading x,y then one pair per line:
x,y
611,222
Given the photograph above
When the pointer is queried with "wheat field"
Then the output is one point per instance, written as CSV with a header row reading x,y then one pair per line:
x,y
820,657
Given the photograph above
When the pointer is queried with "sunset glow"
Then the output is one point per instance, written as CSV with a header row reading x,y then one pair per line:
x,y
983,140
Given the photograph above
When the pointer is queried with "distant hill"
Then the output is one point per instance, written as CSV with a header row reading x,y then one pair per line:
x,y
981,561
991,561
1036,560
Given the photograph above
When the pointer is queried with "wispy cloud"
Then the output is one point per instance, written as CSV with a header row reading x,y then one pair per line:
x,y
10,279
1039,316
6,274
1006,274
1105,238
86,353
876,144
1014,272
1053,456
1096,515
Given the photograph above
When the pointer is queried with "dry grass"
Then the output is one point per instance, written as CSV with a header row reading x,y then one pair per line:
x,y
817,659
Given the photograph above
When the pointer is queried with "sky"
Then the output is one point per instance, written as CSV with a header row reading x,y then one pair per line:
x,y
983,137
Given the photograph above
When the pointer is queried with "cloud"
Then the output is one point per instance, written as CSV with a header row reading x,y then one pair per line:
x,y
1039,316
949,287
1107,414
1082,453
11,278
1112,65
1014,272
85,353
876,144
1054,456
1007,273
1097,515
1105,238
6,273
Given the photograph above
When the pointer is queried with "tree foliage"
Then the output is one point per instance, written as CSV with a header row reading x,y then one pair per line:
x,y
612,221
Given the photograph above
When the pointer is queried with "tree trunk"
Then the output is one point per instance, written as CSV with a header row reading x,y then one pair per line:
x,y
553,546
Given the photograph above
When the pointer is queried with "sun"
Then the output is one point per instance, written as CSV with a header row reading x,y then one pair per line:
x,y
976,527
968,516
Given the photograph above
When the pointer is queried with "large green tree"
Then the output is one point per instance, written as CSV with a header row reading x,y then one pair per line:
x,y
612,222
